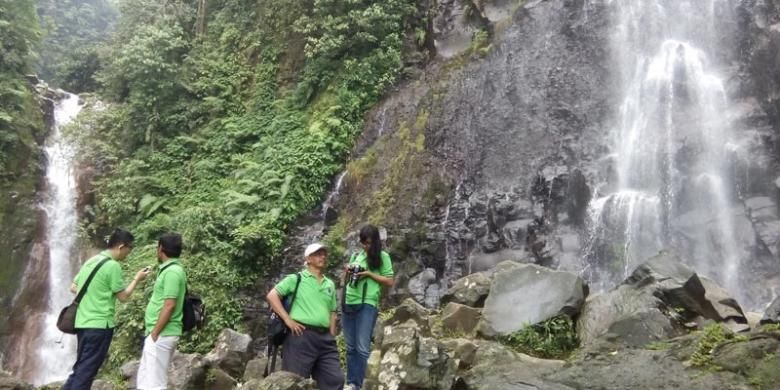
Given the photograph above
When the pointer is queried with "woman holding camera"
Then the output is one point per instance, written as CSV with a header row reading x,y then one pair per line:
x,y
366,273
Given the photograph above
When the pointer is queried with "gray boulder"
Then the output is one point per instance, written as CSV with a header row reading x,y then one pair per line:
x,y
471,290
411,310
217,379
459,318
256,367
463,350
230,353
527,294
772,313
187,372
280,380
129,372
8,382
661,299
100,384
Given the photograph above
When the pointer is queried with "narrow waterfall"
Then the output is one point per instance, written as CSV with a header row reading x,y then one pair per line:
x,y
669,155
41,354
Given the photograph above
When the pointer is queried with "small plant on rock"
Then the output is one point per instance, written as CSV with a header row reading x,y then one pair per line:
x,y
551,339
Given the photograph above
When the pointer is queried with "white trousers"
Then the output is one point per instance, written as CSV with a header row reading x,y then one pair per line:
x,y
153,369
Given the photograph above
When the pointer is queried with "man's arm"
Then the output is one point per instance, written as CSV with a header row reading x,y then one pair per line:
x,y
383,280
124,295
165,315
276,305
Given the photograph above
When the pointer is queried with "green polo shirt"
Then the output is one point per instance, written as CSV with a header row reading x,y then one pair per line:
x,y
97,307
171,283
373,288
315,300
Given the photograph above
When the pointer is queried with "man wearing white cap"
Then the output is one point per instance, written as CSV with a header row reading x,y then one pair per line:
x,y
310,349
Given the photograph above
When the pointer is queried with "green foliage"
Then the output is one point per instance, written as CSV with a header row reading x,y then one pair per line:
x,y
211,134
552,339
341,343
73,32
19,36
711,338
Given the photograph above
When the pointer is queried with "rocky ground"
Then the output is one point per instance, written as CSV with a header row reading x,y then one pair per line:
x,y
665,327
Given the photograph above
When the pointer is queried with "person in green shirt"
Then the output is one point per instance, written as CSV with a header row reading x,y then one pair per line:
x,y
367,272
164,315
95,314
310,350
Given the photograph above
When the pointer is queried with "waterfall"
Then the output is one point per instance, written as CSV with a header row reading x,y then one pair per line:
x,y
42,354
672,184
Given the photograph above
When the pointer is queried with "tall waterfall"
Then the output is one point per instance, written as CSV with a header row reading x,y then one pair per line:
x,y
40,353
669,155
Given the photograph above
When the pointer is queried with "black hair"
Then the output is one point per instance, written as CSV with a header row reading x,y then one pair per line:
x,y
374,252
120,237
170,244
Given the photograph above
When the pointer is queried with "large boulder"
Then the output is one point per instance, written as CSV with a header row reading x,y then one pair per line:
x,y
8,382
230,353
256,367
772,313
409,360
661,299
100,384
187,372
409,310
129,372
471,290
457,318
527,294
280,380
217,379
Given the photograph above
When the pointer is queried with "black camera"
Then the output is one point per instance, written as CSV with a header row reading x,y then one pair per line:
x,y
352,273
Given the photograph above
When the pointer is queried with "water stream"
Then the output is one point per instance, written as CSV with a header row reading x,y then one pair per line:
x,y
669,143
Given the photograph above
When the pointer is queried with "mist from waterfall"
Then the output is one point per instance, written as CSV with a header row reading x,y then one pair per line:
x,y
668,145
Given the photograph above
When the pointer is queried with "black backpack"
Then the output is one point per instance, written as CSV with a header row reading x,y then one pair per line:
x,y
277,329
193,310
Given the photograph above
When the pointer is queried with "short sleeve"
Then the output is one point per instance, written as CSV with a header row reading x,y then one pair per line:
x,y
172,285
79,279
387,265
286,286
115,278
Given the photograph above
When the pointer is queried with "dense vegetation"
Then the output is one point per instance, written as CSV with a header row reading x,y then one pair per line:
x,y
225,120
19,35
73,32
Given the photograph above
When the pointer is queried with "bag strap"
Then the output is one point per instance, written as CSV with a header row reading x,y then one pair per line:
x,y
83,290
295,292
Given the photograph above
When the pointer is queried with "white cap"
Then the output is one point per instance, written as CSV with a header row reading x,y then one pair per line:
x,y
313,248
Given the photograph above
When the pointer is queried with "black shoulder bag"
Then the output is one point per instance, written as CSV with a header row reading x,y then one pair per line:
x,y
193,310
277,330
66,322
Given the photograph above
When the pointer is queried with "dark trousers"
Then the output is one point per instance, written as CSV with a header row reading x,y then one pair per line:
x,y
314,354
92,351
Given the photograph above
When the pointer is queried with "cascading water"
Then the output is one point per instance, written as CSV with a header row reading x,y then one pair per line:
x,y
46,355
669,150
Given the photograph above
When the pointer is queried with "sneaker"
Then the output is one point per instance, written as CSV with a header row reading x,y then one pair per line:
x,y
350,387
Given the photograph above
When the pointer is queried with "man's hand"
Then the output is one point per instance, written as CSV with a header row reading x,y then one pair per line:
x,y
142,274
296,328
154,336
